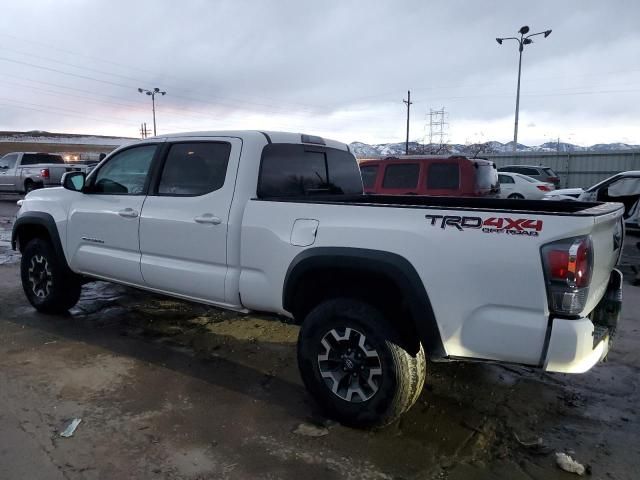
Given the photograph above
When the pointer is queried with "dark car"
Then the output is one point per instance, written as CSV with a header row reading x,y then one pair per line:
x,y
541,173
456,176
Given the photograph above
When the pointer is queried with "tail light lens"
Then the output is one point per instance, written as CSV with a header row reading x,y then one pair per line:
x,y
568,265
544,188
44,173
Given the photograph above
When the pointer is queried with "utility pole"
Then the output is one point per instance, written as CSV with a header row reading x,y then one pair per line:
x,y
144,133
408,103
152,94
522,41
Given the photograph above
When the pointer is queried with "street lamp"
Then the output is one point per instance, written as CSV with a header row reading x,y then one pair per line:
x,y
522,41
152,94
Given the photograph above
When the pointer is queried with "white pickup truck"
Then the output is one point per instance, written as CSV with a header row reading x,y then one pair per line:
x,y
277,222
22,172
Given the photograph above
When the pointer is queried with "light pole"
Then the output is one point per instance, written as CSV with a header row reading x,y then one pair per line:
x,y
522,41
152,94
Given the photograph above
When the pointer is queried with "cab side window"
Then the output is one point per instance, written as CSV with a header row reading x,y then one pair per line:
x,y
443,176
8,161
193,169
401,175
369,174
125,173
505,179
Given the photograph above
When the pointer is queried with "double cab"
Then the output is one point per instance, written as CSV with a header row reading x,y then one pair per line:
x,y
278,222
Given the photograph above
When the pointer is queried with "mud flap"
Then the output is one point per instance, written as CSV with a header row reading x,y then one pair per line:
x,y
606,315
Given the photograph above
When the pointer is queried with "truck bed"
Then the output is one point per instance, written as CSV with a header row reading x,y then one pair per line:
x,y
539,207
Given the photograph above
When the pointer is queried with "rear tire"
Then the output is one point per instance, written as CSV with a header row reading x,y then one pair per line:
x,y
351,362
30,186
46,280
516,196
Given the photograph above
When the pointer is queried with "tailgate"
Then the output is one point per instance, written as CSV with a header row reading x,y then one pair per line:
x,y
607,236
56,172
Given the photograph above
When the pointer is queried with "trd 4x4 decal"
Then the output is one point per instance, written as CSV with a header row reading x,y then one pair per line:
x,y
506,225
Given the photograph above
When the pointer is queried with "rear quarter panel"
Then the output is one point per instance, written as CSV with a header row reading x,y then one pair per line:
x,y
487,289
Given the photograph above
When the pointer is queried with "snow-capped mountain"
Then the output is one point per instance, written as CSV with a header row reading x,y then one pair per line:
x,y
39,136
364,150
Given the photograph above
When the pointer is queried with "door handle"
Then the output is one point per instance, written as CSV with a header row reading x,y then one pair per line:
x,y
208,218
128,213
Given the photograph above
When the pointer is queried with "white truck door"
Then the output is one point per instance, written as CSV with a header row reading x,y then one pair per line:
x,y
103,223
184,222
7,172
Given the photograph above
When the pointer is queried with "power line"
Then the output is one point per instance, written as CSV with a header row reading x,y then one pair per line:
x,y
138,80
228,104
64,73
81,67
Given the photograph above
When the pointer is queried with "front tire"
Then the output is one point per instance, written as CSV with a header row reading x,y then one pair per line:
x,y
516,196
47,282
351,362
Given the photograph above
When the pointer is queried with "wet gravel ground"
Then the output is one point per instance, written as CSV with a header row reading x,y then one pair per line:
x,y
168,389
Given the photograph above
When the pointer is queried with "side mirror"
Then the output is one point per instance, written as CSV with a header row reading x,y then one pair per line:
x,y
74,181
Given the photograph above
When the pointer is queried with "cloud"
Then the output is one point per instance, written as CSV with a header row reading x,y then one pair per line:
x,y
334,68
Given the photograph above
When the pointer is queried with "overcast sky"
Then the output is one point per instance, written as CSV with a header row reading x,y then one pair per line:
x,y
334,68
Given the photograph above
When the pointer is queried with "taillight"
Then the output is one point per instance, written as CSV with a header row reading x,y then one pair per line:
x,y
544,188
568,265
44,173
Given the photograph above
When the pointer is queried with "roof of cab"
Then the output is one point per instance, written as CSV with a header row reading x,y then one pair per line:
x,y
423,158
270,136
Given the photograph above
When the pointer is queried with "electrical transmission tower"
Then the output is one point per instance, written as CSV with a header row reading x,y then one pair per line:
x,y
437,128
144,133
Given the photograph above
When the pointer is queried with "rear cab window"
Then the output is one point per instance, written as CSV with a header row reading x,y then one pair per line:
x,y
401,175
36,158
291,170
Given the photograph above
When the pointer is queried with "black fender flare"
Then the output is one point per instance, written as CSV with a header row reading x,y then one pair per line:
x,y
397,268
41,219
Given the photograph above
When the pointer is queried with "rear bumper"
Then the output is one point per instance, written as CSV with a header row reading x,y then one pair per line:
x,y
577,345
571,348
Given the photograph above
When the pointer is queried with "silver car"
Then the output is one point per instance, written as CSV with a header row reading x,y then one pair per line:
x,y
540,173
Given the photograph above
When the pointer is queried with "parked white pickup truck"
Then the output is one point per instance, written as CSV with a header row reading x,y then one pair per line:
x,y
277,222
22,172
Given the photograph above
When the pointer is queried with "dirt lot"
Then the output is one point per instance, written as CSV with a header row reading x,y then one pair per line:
x,y
167,389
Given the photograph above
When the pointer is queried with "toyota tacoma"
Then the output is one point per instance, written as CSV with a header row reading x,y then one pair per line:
x,y
278,222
